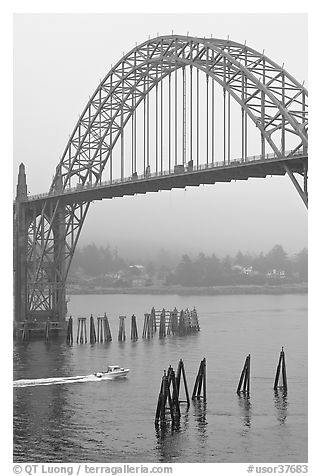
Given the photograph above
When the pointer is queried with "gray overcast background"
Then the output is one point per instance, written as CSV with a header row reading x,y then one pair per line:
x,y
58,62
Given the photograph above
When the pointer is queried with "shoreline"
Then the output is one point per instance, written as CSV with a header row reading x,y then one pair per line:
x,y
199,291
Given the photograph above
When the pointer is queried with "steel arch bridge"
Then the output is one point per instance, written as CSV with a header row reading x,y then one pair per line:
x,y
175,111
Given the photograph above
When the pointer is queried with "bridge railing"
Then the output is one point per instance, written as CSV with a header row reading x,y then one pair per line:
x,y
180,170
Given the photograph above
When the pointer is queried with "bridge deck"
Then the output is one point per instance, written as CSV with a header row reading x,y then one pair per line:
x,y
203,174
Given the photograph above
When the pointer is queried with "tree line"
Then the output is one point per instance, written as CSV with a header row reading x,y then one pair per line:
x,y
200,270
274,266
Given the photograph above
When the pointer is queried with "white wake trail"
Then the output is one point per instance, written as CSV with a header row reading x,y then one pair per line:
x,y
55,380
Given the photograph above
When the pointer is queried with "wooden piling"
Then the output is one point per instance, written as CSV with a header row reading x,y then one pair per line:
x,y
245,378
47,330
162,324
69,338
200,382
151,326
168,397
92,332
146,324
172,383
284,377
107,332
147,328
134,333
246,383
187,321
181,371
281,368
160,402
174,317
169,325
181,324
25,331
164,397
194,321
81,331
153,320
121,332
100,331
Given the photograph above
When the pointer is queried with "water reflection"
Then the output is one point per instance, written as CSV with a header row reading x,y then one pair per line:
x,y
281,405
43,416
171,438
245,407
200,417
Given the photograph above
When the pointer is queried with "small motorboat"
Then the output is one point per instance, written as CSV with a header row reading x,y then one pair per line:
x,y
112,372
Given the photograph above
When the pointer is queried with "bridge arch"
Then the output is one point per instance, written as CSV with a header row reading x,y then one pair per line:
x,y
248,76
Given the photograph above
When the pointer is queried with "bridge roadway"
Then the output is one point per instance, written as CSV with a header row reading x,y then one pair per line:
x,y
251,167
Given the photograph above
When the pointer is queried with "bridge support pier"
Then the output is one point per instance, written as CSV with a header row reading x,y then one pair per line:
x,y
42,297
20,237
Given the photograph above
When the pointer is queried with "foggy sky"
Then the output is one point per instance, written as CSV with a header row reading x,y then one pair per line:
x,y
58,62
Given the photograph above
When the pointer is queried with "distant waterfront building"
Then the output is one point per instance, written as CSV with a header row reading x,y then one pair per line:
x,y
276,273
246,270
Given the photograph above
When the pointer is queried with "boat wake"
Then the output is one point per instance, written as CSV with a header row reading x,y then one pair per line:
x,y
55,380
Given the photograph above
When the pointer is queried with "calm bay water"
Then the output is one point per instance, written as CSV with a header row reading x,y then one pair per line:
x,y
113,421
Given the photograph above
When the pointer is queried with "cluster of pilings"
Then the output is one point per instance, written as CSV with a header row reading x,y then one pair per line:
x,y
161,322
103,330
170,323
188,322
168,399
168,404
